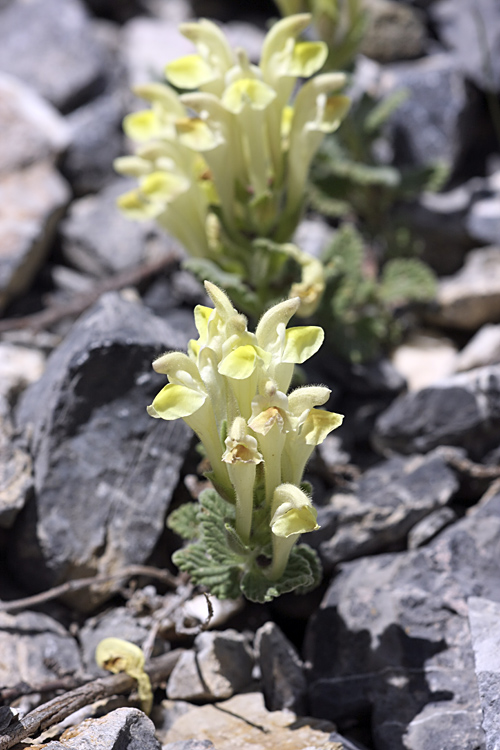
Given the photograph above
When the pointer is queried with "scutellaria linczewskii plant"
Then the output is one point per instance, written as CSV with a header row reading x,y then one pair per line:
x,y
223,167
231,389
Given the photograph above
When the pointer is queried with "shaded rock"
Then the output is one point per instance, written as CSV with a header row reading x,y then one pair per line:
x,y
16,477
472,32
392,637
32,130
117,623
424,358
387,502
35,649
104,470
167,713
49,44
426,127
462,410
393,31
244,722
283,678
97,239
483,349
430,526
31,203
220,666
96,140
122,729
484,619
471,297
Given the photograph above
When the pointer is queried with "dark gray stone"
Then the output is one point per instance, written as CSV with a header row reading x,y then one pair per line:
x,y
392,638
35,650
472,32
104,470
283,678
95,228
462,410
49,45
122,729
484,619
385,504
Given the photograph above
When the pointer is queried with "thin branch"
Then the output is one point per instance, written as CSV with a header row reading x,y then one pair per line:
x,y
59,708
82,583
44,319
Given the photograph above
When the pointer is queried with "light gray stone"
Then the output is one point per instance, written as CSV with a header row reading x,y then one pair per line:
x,y
35,649
148,44
104,470
32,130
484,619
423,358
16,475
19,367
31,202
185,682
49,45
483,220
225,662
283,678
122,729
482,350
428,527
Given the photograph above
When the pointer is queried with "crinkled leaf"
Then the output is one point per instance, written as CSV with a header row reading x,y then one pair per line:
x,y
302,574
407,279
185,521
221,580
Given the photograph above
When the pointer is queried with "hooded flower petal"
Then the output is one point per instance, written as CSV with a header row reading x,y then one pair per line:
x,y
293,512
301,343
176,402
189,72
318,425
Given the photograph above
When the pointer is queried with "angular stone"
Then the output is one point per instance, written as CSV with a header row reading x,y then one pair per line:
x,y
50,45
225,662
35,649
31,203
430,526
387,502
16,476
462,410
104,470
283,678
94,228
392,639
484,618
471,297
244,722
424,358
32,130
122,729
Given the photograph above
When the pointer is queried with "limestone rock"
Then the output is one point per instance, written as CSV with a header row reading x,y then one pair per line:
x,y
16,477
49,44
424,358
32,130
284,681
104,470
122,729
484,618
31,203
430,526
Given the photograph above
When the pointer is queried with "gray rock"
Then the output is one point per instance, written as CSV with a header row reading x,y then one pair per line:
x,y
426,127
97,239
483,349
484,619
283,678
148,44
471,297
166,714
116,623
189,745
392,638
472,32
32,130
483,220
49,44
16,478
122,729
393,31
31,202
462,410
35,649
96,140
387,502
104,470
424,358
185,682
430,526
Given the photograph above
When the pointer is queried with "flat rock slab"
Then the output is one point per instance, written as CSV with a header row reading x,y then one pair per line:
x,y
392,638
484,618
385,505
243,722
35,650
31,202
32,130
462,410
122,729
104,471
50,45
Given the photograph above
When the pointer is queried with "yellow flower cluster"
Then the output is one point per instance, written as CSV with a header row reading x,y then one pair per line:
x,y
231,389
227,162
